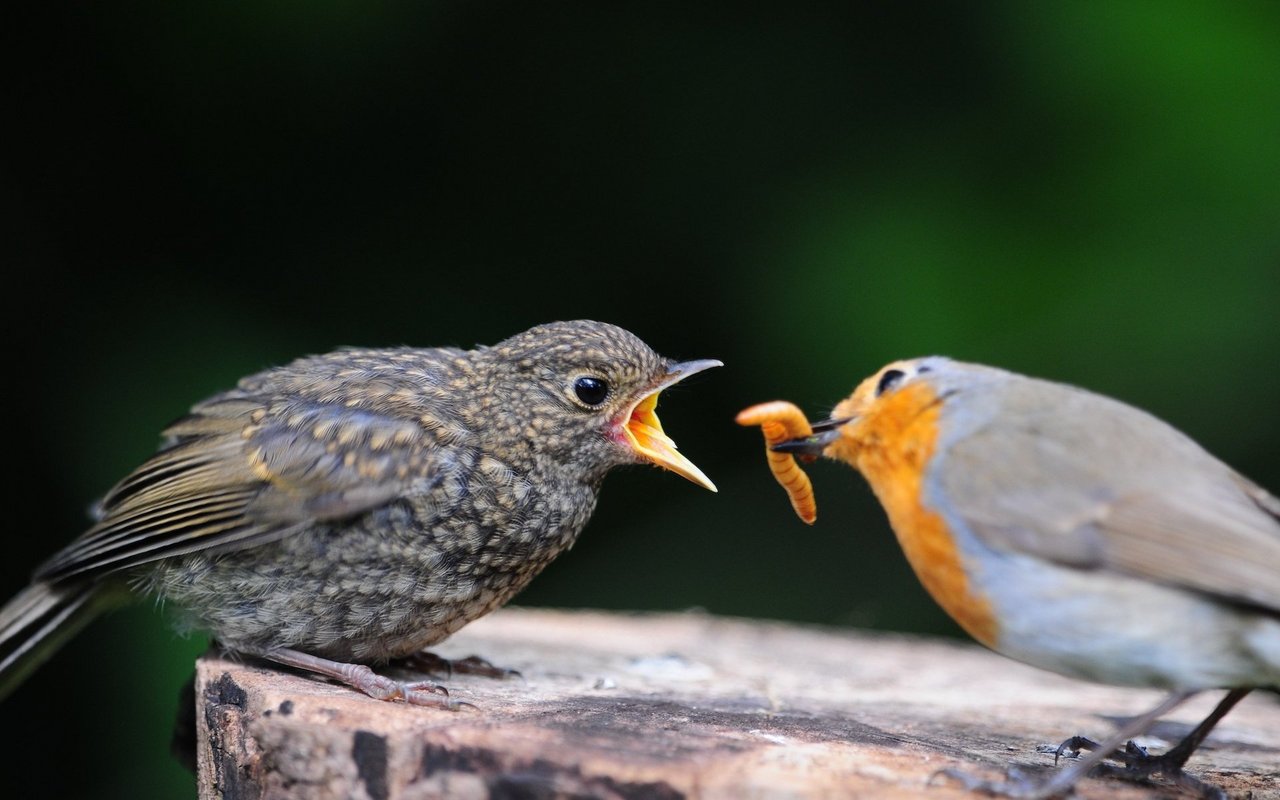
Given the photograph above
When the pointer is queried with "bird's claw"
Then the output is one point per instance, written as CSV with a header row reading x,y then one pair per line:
x,y
1070,748
432,697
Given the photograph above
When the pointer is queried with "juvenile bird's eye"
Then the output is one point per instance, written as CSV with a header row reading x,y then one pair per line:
x,y
591,391
890,379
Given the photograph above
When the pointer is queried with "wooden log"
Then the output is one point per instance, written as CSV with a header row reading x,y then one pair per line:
x,y
689,705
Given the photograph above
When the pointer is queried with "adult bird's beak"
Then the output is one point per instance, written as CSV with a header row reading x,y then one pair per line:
x,y
644,432
824,433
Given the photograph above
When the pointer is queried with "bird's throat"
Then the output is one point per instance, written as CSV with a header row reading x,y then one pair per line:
x,y
891,444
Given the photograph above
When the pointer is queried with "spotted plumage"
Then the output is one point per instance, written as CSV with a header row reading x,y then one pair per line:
x,y
361,505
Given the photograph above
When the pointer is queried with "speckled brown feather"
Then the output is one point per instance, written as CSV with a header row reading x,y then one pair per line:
x,y
363,504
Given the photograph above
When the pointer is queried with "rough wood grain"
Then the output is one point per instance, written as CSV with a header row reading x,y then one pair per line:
x,y
688,705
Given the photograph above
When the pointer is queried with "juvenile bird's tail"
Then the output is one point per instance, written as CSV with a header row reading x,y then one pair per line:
x,y
39,620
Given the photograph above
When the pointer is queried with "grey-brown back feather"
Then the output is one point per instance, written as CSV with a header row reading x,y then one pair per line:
x,y
253,465
1084,480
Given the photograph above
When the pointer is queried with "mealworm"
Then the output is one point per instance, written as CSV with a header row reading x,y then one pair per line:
x,y
780,421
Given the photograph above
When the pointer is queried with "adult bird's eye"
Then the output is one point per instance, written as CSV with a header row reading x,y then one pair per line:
x,y
890,379
591,391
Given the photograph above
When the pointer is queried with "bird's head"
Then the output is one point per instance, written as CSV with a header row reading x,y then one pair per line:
x,y
584,394
887,400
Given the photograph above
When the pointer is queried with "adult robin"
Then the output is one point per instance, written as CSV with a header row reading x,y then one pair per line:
x,y
356,507
1072,532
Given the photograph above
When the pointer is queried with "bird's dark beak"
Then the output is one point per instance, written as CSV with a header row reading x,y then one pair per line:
x,y
824,433
644,431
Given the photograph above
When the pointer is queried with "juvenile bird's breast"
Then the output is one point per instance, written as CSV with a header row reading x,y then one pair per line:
x,y
892,443
391,580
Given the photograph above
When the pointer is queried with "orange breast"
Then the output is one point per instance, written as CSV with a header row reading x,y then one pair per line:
x,y
890,444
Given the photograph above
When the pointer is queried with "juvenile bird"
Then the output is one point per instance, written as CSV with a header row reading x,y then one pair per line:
x,y
356,507
1072,532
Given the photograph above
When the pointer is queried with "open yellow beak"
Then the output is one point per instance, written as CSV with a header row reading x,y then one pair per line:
x,y
644,431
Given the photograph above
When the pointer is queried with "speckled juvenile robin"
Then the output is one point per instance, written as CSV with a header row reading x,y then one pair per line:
x,y
1072,532
356,507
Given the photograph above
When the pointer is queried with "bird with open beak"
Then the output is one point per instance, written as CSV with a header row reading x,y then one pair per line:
x,y
356,507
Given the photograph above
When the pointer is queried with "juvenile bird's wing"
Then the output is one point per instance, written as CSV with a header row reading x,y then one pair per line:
x,y
242,470
1125,491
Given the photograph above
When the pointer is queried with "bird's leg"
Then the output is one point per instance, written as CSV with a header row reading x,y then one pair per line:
x,y
432,664
1140,765
1027,788
1176,757
358,676
1065,779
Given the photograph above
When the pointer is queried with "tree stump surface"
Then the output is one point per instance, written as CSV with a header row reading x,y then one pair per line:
x,y
659,706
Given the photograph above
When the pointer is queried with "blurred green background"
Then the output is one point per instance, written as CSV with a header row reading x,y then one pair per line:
x,y
1083,191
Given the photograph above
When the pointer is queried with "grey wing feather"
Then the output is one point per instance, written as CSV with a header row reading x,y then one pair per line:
x,y
1127,492
239,472
1211,538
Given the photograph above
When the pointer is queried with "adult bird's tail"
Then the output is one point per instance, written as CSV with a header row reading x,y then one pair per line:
x,y
39,620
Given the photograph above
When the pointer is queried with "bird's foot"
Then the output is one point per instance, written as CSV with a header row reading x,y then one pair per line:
x,y
380,687
1136,764
364,679
1071,749
432,664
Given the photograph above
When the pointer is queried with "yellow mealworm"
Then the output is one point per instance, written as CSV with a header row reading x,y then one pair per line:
x,y
780,421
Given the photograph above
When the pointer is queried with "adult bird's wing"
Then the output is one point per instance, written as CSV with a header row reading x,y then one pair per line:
x,y
242,470
1123,491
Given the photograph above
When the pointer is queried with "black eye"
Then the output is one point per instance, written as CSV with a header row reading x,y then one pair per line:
x,y
890,379
591,391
